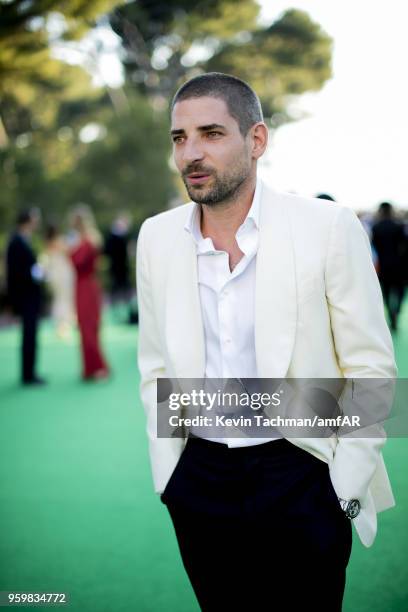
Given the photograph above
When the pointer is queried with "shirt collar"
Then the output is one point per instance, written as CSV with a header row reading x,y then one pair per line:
x,y
192,224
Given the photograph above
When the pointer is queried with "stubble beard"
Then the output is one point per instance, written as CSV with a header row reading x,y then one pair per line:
x,y
224,188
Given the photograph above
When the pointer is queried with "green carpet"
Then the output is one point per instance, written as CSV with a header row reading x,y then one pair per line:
x,y
77,510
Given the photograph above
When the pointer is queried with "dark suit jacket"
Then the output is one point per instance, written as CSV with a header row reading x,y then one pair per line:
x,y
116,249
23,290
390,242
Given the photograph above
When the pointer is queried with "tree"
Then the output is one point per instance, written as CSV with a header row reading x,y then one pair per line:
x,y
44,103
32,82
288,58
128,168
167,42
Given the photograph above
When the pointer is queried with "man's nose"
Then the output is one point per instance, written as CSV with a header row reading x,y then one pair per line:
x,y
192,151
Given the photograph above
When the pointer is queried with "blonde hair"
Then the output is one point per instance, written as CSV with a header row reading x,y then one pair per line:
x,y
83,219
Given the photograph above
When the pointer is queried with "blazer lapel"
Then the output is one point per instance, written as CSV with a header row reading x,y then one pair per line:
x,y
275,304
275,298
184,325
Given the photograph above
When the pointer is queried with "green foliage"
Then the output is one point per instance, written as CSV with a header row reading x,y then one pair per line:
x,y
163,41
45,103
290,57
126,169
30,78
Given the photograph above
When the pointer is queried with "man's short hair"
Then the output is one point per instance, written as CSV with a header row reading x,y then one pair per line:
x,y
24,217
28,214
385,209
242,102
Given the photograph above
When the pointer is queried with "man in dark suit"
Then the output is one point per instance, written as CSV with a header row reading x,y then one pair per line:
x,y
24,277
116,250
390,243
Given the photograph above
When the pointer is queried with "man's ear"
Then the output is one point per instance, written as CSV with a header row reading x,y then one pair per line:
x,y
259,139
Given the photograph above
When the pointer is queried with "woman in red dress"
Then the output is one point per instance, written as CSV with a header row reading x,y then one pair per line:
x,y
84,254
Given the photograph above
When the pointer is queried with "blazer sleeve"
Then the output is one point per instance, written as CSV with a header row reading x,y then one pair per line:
x,y
150,360
363,346
164,451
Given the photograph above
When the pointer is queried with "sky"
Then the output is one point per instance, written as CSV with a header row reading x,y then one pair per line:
x,y
353,143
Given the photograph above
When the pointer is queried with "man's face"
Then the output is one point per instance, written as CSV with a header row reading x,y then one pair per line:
x,y
210,152
35,221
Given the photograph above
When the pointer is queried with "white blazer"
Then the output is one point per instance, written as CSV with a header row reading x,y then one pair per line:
x,y
318,314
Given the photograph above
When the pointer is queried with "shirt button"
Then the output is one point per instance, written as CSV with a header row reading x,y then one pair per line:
x,y
228,340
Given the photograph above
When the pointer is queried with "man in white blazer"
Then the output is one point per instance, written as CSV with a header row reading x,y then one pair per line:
x,y
247,282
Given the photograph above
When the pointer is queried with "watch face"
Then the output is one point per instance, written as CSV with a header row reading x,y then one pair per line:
x,y
353,508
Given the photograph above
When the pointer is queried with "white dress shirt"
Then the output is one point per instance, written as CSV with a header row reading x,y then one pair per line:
x,y
228,305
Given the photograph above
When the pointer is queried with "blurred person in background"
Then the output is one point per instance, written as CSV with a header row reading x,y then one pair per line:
x,y
390,245
325,196
84,251
59,273
367,221
24,280
404,221
117,251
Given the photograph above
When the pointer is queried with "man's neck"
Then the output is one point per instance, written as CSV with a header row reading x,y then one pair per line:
x,y
25,232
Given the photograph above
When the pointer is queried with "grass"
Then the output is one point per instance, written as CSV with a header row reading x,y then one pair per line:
x,y
77,509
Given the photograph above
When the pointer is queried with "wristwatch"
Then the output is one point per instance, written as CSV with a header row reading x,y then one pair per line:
x,y
351,508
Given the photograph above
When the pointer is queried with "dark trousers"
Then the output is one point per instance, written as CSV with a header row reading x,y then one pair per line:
x,y
259,528
393,294
29,322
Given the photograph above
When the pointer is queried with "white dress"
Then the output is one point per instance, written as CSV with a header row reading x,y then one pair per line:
x,y
60,276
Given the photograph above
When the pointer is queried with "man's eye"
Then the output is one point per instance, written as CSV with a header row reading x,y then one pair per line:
x,y
177,139
213,134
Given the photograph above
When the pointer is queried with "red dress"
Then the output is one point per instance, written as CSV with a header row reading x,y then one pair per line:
x,y
88,304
